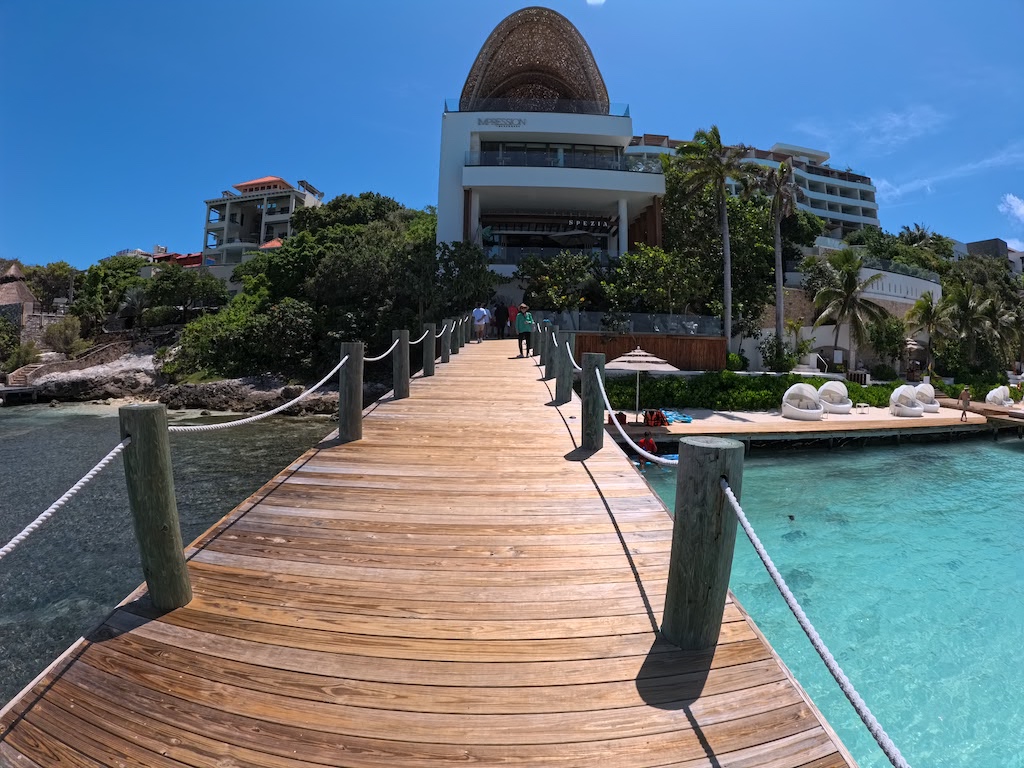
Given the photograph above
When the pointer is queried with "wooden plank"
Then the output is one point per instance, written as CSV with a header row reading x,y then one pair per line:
x,y
450,588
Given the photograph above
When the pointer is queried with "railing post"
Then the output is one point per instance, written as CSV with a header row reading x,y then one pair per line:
x,y
453,336
429,348
400,364
147,468
350,393
463,327
563,374
535,338
703,537
550,358
593,403
446,340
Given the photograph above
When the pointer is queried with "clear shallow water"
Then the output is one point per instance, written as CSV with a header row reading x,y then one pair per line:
x,y
83,561
909,561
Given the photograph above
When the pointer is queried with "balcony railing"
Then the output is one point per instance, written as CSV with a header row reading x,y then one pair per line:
x,y
633,322
637,163
563,106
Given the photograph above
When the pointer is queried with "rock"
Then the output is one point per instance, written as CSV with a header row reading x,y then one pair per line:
x,y
291,391
205,413
54,403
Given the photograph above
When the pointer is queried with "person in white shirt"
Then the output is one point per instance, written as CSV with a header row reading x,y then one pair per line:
x,y
481,316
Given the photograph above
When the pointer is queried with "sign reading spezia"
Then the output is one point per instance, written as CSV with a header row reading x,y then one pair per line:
x,y
502,122
591,225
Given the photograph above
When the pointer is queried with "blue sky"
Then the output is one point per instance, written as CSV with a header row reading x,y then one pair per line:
x,y
118,118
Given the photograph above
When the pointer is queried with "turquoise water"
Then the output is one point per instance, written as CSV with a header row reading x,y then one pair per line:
x,y
909,561
72,571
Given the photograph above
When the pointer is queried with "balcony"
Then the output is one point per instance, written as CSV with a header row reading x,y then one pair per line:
x,y
514,254
636,163
561,106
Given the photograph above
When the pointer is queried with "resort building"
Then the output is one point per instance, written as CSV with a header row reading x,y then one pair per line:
x,y
257,214
534,157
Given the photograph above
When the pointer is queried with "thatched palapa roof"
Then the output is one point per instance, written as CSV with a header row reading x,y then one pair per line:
x,y
13,289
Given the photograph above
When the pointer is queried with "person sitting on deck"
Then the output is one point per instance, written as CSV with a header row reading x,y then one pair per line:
x,y
655,419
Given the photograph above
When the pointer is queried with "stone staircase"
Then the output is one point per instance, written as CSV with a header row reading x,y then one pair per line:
x,y
22,376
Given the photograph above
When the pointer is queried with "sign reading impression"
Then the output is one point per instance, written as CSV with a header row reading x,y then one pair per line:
x,y
502,122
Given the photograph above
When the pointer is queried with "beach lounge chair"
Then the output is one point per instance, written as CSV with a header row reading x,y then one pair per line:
x,y
834,397
903,402
1000,396
926,397
801,402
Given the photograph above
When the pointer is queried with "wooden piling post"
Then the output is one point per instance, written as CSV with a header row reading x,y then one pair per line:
x,y
463,331
535,339
563,374
593,402
703,538
453,336
147,468
446,340
350,393
429,348
400,364
551,358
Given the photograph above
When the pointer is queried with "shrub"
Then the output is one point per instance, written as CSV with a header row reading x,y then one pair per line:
x,y
883,372
65,336
736,362
776,354
163,315
24,354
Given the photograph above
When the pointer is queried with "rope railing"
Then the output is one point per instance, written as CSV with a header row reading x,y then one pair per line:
x,y
568,351
52,509
258,416
440,333
649,456
378,358
869,720
421,338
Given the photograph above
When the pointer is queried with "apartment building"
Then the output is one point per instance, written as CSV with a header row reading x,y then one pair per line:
x,y
258,213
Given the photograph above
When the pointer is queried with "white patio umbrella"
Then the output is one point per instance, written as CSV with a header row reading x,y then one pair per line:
x,y
638,361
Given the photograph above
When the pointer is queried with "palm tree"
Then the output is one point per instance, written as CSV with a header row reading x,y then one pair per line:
x,y
779,184
842,300
707,162
920,235
969,313
932,317
135,301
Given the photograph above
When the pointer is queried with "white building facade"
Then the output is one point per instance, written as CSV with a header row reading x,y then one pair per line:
x,y
534,158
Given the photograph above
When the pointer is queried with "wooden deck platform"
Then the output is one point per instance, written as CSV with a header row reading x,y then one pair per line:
x,y
457,587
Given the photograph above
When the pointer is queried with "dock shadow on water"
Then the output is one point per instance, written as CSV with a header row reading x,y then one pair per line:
x,y
64,579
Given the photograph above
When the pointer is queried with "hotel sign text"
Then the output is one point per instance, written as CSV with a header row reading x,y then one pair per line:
x,y
502,122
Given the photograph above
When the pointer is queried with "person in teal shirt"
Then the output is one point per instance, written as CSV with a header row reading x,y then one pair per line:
x,y
524,324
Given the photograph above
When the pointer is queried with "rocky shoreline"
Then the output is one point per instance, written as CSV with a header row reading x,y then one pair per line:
x,y
141,383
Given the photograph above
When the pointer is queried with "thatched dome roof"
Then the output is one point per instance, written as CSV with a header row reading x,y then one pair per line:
x,y
535,60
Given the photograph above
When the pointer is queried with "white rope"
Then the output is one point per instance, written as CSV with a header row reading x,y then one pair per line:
x,y
571,358
441,332
421,338
64,499
844,683
649,456
381,357
258,416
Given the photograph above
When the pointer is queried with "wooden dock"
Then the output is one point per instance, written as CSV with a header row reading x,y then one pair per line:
x,y
9,394
460,586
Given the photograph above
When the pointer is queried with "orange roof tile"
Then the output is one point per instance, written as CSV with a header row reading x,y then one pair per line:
x,y
275,243
262,181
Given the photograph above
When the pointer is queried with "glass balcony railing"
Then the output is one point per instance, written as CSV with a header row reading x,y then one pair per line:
x,y
563,106
514,254
637,163
633,322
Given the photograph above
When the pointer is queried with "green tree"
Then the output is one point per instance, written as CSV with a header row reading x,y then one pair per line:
x,y
56,280
568,281
842,300
23,354
650,279
969,314
10,338
932,318
103,288
176,286
887,337
136,300
65,336
705,162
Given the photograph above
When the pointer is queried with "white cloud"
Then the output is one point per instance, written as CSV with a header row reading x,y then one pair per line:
x,y
876,134
1011,156
1015,244
595,2
1012,206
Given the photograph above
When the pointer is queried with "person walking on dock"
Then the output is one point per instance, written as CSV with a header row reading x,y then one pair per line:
x,y
524,324
480,317
965,401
